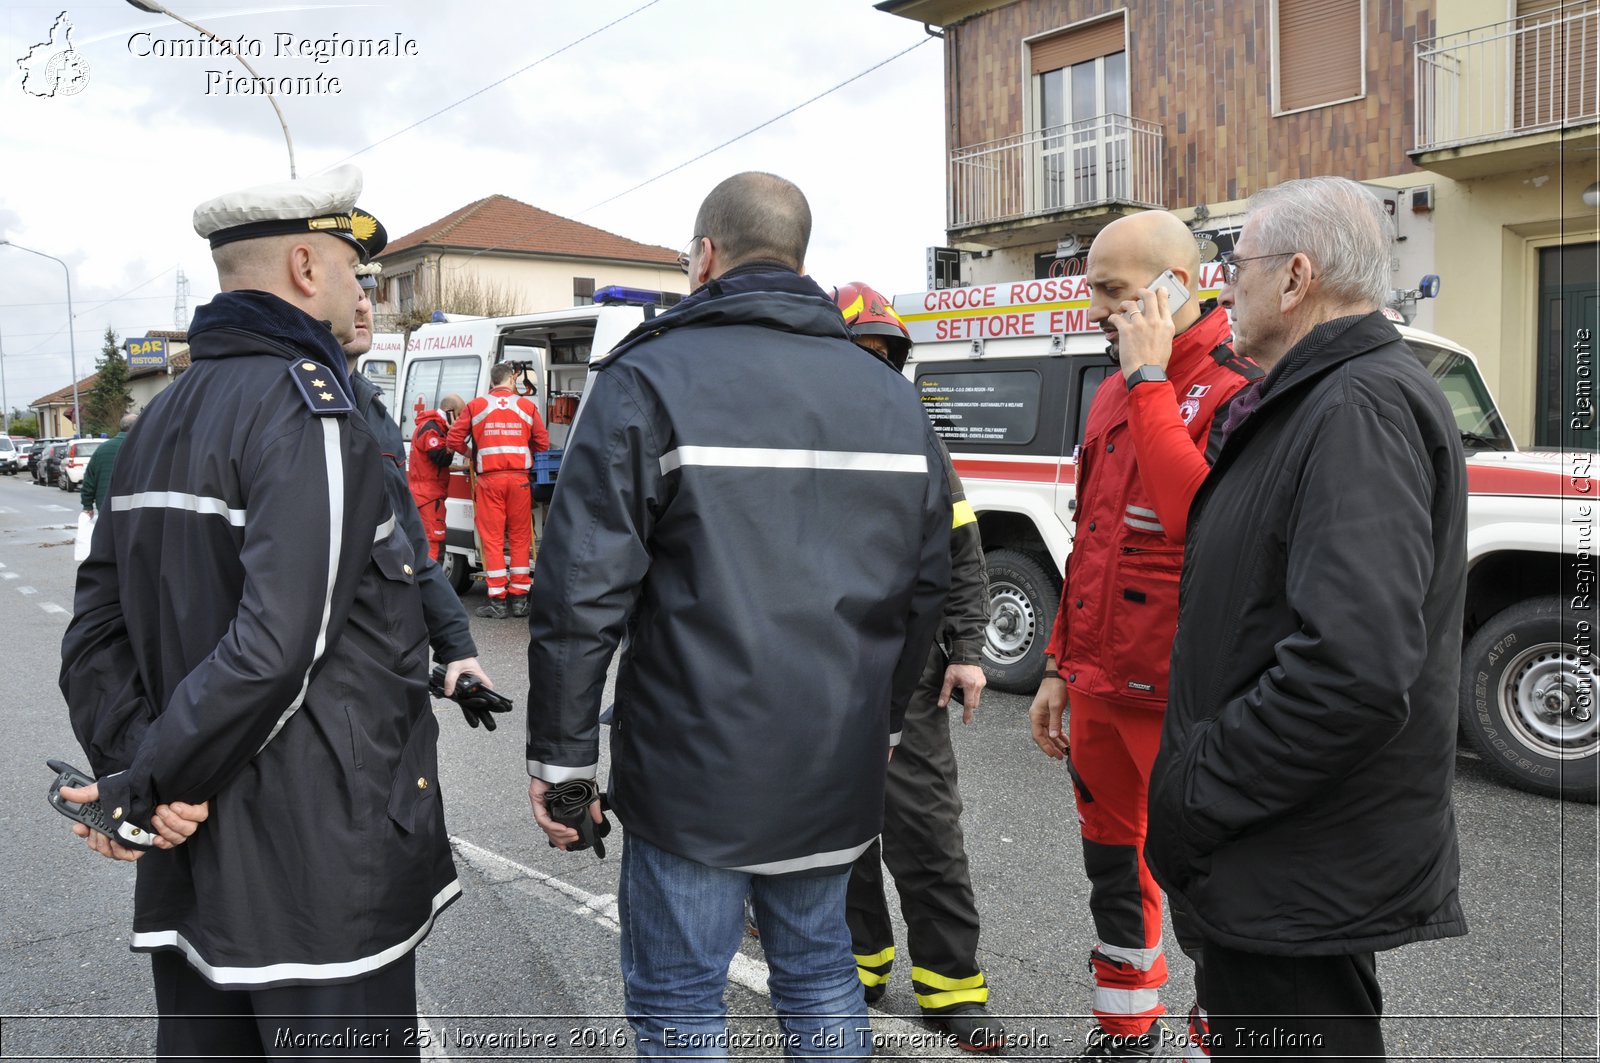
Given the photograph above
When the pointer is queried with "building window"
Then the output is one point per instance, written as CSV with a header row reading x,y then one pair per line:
x,y
405,293
582,291
1319,48
1080,112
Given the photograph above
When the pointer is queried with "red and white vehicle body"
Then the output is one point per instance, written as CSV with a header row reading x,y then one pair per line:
x,y
1007,372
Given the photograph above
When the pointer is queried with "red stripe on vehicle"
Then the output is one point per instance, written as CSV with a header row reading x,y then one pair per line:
x,y
1027,471
1499,480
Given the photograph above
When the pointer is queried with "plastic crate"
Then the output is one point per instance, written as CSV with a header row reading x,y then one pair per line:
x,y
545,464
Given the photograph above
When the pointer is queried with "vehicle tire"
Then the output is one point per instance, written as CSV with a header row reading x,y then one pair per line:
x,y
457,571
1530,700
1023,593
64,483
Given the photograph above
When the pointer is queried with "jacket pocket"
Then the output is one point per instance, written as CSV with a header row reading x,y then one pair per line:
x,y
414,794
400,598
1144,614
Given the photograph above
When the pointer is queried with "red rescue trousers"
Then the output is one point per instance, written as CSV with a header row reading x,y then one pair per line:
x,y
503,509
1113,747
431,510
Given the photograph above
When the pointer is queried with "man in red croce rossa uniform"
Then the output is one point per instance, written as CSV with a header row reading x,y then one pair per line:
x,y
506,430
1142,459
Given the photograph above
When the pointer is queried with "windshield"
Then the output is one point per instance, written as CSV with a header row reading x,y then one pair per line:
x,y
1474,409
85,447
6,446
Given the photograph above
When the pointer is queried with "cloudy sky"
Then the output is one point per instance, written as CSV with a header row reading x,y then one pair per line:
x,y
106,178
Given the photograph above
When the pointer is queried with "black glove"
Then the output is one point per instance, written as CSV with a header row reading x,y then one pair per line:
x,y
478,703
441,457
568,804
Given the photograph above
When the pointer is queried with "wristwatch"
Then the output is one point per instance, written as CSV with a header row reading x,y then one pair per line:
x,y
1144,373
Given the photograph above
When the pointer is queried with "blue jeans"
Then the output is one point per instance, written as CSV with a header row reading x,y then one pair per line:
x,y
681,924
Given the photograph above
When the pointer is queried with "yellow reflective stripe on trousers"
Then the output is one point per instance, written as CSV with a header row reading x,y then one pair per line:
x,y
934,1001
871,977
962,514
877,959
970,990
935,980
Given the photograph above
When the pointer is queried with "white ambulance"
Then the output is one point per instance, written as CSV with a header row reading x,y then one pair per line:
x,y
1007,372
551,352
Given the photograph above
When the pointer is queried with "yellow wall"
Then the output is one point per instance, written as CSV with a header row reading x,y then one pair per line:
x,y
533,284
1486,241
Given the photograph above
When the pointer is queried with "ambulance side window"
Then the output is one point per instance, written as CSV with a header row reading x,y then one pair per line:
x,y
432,379
1003,406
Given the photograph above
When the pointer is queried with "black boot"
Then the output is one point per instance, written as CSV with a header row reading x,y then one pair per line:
x,y
971,1026
495,610
519,605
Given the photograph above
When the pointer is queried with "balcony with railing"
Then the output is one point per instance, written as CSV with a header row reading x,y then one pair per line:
x,y
1061,172
1507,96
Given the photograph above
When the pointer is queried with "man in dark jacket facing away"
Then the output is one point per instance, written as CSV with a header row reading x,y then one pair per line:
x,y
96,484
247,638
763,511
1300,806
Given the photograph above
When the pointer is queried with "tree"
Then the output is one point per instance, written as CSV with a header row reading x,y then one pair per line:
x,y
464,293
110,398
24,424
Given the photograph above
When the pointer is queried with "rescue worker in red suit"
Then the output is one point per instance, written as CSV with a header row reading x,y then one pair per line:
x,y
922,843
428,469
1142,460
505,431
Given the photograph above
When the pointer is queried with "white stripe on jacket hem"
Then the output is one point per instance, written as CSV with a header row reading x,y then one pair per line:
x,y
771,458
309,972
836,858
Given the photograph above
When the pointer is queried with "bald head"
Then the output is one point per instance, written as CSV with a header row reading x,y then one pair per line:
x,y
753,217
1152,240
452,404
1133,251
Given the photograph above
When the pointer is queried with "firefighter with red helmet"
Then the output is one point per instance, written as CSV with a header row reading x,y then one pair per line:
x,y
428,470
922,842
505,431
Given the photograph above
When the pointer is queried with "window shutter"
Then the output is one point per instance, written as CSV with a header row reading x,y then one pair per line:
x,y
1557,78
1319,52
1106,37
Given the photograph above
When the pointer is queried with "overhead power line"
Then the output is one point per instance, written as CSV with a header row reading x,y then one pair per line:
x,y
492,84
763,125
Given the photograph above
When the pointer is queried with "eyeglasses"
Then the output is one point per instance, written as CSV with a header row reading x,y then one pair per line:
x,y
1230,263
688,252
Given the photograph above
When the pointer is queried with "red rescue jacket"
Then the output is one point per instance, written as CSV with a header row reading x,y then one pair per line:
x,y
428,480
1142,460
506,430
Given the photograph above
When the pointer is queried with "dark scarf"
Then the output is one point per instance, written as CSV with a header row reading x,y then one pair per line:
x,y
265,314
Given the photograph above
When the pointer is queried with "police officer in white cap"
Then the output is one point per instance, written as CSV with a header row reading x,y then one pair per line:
x,y
248,641
449,630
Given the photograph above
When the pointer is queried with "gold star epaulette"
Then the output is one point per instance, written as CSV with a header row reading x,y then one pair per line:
x,y
320,388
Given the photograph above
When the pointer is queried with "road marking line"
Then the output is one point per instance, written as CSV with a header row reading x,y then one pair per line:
x,y
7,510
10,575
52,607
27,590
602,908
56,508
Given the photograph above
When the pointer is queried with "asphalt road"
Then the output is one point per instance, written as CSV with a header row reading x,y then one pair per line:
x,y
525,964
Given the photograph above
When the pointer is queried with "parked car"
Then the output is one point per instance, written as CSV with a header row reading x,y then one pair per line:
x,y
74,460
48,470
36,451
9,455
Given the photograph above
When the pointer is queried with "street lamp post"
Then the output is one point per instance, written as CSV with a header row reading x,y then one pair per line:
x,y
153,8
72,343
5,406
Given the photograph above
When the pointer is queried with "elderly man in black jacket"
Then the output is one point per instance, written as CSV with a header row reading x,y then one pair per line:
x,y
1300,807
763,511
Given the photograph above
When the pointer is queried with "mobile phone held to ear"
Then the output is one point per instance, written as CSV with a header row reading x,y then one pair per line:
x,y
1177,294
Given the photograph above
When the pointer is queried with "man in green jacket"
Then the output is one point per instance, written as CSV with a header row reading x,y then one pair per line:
x,y
96,486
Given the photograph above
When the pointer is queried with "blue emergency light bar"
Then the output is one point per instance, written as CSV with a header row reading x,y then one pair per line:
x,y
615,294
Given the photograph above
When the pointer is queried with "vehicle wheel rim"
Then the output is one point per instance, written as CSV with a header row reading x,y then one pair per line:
x,y
1012,621
1551,702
